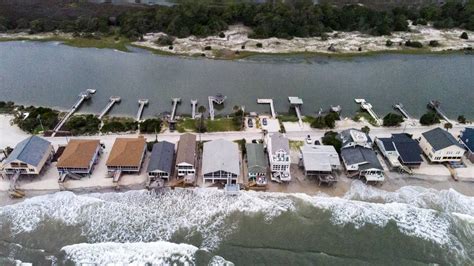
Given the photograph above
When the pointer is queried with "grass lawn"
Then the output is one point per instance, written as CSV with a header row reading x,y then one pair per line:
x,y
288,118
222,124
186,125
296,144
366,116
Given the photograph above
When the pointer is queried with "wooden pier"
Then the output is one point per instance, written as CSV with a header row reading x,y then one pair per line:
x,y
436,106
83,96
401,109
296,103
218,99
142,103
112,101
193,107
270,102
175,102
368,107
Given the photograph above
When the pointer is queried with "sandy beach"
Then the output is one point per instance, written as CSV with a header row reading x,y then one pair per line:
x,y
342,42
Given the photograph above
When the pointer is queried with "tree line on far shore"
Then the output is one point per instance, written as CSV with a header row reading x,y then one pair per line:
x,y
295,18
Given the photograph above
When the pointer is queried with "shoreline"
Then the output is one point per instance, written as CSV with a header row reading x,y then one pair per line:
x,y
345,44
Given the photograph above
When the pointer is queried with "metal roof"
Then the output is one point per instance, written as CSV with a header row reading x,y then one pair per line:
x,y
387,144
319,157
467,137
256,157
220,155
29,151
408,148
440,139
161,158
279,142
366,158
186,149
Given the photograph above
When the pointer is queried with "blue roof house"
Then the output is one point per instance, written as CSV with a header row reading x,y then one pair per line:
x,y
29,157
161,162
467,139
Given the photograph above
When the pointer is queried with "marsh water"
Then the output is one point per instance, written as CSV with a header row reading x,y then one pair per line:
x,y
52,74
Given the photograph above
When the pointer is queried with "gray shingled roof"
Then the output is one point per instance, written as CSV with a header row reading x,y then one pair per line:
x,y
440,139
360,155
162,156
467,138
30,151
256,160
279,142
220,155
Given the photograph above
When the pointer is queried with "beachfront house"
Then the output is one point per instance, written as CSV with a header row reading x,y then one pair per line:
x,y
400,150
257,163
358,157
127,155
278,148
161,162
467,139
29,157
186,155
220,161
79,157
440,146
319,160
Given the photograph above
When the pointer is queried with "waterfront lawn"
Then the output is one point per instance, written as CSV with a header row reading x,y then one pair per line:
x,y
365,116
288,118
186,125
222,124
82,125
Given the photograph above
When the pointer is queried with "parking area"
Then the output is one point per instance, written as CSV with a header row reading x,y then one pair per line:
x,y
269,124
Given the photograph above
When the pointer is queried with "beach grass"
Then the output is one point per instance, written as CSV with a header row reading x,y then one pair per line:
x,y
221,124
186,125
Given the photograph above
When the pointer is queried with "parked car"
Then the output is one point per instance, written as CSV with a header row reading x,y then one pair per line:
x,y
250,122
264,122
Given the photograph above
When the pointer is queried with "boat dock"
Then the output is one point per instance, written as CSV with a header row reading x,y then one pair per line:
x,y
401,109
296,103
436,105
368,107
83,96
112,101
270,102
218,99
193,105
175,102
142,103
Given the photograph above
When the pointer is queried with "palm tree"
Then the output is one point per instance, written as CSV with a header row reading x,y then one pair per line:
x,y
448,126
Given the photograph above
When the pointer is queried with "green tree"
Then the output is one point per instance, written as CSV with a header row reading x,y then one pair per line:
x,y
462,119
365,129
429,118
330,138
448,126
152,125
392,120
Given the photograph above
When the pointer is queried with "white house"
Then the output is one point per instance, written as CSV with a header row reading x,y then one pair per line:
x,y
186,155
440,146
220,161
319,159
28,157
278,148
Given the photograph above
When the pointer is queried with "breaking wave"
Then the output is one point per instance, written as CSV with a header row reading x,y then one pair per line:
x,y
442,217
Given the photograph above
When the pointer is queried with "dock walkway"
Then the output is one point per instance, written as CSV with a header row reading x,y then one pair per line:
x,y
297,102
218,99
436,105
142,103
270,102
401,108
83,96
193,105
175,102
112,101
368,107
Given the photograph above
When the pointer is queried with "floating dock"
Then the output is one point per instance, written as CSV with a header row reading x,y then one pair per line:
x,y
297,102
83,96
368,107
436,105
112,101
193,107
401,109
175,102
270,102
142,103
218,99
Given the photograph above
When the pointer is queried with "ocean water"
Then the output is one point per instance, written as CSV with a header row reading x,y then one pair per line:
x,y
410,226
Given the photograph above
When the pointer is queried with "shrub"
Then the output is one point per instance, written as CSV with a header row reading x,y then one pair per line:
x,y
221,35
462,119
38,118
414,44
392,120
429,118
330,138
259,45
152,125
464,36
208,48
434,43
164,40
83,124
388,43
